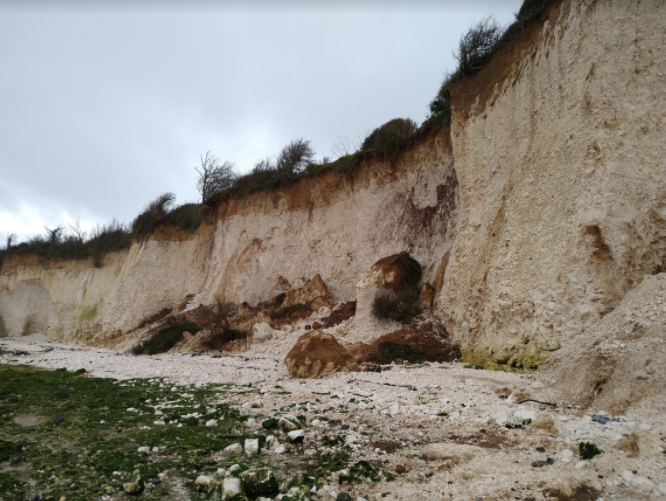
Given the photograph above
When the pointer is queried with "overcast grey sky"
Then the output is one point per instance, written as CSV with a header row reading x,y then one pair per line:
x,y
103,108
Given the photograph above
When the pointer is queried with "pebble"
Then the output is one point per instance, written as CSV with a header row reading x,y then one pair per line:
x,y
211,422
204,483
296,436
252,446
233,450
231,486
581,465
343,496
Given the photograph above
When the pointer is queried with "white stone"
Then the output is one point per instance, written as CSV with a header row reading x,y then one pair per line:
x,y
205,483
211,422
231,486
566,455
394,409
221,471
159,423
643,484
156,449
233,449
644,427
627,476
280,449
501,415
252,423
252,446
581,464
143,449
261,332
524,414
564,418
288,422
295,435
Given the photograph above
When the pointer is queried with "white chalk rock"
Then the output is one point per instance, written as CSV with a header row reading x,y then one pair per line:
x,y
271,442
566,455
581,465
233,450
204,483
501,415
143,449
261,332
280,449
643,484
231,486
627,476
296,435
524,414
252,446
211,422
289,422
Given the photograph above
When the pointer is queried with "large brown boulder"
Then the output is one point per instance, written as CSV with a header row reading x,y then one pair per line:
x,y
317,354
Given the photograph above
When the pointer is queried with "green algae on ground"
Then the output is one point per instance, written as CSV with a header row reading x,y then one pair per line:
x,y
94,427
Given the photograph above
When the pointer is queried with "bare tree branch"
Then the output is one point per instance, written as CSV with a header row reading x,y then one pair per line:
x,y
214,176
75,228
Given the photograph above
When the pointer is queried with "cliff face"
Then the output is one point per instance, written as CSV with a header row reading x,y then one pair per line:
x,y
554,207
331,225
559,152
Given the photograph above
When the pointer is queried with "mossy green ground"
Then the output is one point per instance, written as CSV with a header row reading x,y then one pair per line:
x,y
83,433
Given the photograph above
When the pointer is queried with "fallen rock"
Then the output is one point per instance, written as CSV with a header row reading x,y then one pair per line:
x,y
134,488
233,450
261,332
259,482
252,446
524,414
544,422
204,483
317,354
289,422
231,486
296,436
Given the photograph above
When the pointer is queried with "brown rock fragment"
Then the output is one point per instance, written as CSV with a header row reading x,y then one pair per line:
x,y
317,354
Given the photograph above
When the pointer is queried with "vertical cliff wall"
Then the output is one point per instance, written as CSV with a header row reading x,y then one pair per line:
x,y
559,151
333,225
554,207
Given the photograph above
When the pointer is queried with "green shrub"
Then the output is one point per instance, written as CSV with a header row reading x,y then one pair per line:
x,y
532,8
401,306
165,339
153,215
398,352
477,47
388,138
286,311
440,106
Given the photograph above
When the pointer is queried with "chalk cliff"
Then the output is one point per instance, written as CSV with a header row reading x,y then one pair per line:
x,y
532,216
